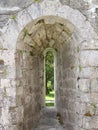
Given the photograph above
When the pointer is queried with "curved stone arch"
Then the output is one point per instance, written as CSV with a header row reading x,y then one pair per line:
x,y
43,33
50,20
85,29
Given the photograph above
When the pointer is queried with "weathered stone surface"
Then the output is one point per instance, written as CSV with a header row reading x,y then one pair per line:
x,y
49,120
11,3
93,45
89,58
90,124
27,31
88,72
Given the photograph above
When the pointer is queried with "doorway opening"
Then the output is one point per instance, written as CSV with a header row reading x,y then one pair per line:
x,y
49,77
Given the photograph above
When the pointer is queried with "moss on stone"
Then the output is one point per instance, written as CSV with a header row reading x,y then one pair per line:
x,y
80,68
37,1
13,17
1,62
25,33
5,92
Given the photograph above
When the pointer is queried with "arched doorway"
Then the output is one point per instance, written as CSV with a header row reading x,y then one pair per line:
x,y
34,39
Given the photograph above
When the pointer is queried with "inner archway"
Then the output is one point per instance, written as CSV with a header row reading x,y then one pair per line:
x,y
35,39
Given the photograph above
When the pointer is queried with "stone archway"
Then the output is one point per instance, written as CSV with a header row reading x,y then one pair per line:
x,y
45,32
15,69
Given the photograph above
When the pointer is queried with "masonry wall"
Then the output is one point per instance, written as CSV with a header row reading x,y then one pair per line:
x,y
20,91
29,89
87,88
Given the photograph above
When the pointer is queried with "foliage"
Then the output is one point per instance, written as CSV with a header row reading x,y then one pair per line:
x,y
49,69
50,104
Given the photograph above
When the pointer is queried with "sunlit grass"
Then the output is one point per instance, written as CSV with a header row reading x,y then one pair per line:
x,y
50,96
49,99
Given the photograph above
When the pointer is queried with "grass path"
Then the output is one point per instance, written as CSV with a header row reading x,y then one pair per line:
x,y
49,99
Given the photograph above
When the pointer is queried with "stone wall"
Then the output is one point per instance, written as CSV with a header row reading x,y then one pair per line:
x,y
86,7
22,43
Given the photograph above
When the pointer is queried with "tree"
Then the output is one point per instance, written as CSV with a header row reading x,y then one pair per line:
x,y
49,69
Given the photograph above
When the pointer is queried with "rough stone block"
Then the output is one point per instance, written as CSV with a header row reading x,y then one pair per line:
x,y
5,83
84,85
71,117
88,72
80,110
93,45
89,58
90,123
94,97
83,97
94,85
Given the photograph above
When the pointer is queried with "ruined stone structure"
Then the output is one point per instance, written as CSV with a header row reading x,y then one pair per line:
x,y
27,30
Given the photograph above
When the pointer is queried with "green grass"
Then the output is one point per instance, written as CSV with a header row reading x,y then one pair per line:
x,y
49,104
49,99
50,96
